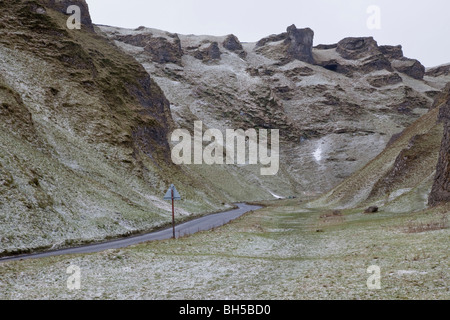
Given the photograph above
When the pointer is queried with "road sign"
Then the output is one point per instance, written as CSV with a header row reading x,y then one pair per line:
x,y
172,194
176,195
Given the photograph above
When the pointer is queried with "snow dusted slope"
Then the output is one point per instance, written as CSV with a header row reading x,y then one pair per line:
x,y
334,115
83,138
84,127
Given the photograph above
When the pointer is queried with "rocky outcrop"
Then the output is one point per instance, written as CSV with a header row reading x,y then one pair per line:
x,y
62,5
299,72
376,63
210,53
164,51
443,70
366,56
357,48
161,50
233,44
440,192
392,52
356,55
299,44
295,44
366,50
411,67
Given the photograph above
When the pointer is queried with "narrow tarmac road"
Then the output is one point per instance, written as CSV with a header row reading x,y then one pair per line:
x,y
200,224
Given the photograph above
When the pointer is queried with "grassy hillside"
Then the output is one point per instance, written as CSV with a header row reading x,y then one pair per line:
x,y
83,138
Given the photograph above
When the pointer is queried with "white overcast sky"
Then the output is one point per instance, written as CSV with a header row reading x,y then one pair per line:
x,y
421,27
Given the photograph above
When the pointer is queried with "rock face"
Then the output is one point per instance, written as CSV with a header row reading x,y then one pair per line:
x,y
352,55
299,44
365,49
161,49
411,67
233,44
392,52
357,48
364,55
334,115
209,53
62,5
440,192
438,71
213,52
295,44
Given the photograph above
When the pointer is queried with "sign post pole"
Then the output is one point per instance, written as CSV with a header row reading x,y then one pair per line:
x,y
172,195
173,216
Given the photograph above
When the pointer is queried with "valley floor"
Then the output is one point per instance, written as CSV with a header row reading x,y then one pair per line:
x,y
284,251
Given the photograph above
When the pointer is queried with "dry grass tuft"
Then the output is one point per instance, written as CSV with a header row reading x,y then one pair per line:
x,y
418,227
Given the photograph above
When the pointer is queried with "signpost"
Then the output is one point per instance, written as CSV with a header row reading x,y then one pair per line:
x,y
172,194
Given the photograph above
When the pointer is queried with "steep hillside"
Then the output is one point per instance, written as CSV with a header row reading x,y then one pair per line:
x,y
336,106
401,177
86,118
83,136
404,177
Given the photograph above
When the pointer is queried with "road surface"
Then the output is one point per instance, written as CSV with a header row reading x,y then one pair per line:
x,y
200,224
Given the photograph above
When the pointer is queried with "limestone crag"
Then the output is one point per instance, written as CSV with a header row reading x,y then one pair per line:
x,y
294,44
357,48
209,52
411,67
336,105
299,44
233,44
443,70
160,49
363,54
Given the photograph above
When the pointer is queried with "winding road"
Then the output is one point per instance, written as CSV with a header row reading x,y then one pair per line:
x,y
200,224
